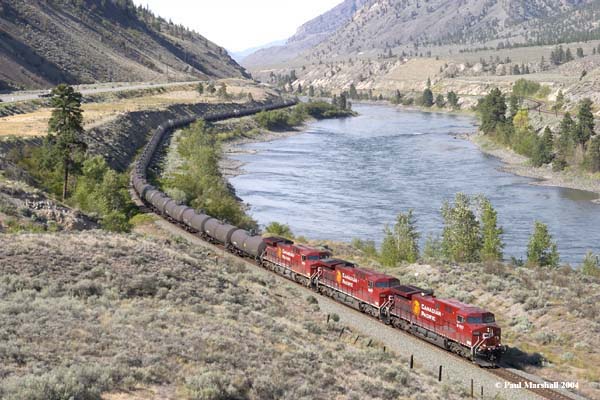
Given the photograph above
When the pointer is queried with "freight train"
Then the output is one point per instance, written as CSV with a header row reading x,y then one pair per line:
x,y
466,330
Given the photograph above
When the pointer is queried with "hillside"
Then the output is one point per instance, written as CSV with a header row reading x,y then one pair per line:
x,y
155,318
47,42
307,36
379,28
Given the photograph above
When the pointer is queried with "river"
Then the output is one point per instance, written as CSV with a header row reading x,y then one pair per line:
x,y
346,178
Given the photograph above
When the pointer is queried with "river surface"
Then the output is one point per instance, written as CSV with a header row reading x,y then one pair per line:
x,y
346,178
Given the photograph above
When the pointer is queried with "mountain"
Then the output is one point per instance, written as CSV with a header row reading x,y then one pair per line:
x,y
307,36
239,56
373,28
45,42
387,24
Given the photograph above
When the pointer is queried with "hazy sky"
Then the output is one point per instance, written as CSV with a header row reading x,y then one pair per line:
x,y
240,24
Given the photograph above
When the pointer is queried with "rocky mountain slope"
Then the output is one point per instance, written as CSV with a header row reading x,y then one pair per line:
x,y
380,27
43,43
308,35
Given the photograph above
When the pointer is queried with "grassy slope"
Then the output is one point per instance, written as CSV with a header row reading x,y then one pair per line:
x,y
147,312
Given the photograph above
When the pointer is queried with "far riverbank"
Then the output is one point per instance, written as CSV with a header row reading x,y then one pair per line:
x,y
519,165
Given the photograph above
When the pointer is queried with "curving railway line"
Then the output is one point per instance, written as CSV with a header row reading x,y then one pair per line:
x,y
193,222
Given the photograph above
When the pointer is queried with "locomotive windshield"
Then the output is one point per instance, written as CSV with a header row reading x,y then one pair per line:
x,y
313,258
389,283
486,319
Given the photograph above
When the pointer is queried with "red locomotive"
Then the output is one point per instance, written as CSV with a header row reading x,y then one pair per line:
x,y
461,328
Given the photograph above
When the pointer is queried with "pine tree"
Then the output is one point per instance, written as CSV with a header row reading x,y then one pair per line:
x,y
491,249
585,124
439,100
65,129
543,149
593,154
352,93
342,103
461,240
560,102
580,52
568,55
311,91
542,250
492,110
427,97
389,249
407,237
514,105
452,99
200,88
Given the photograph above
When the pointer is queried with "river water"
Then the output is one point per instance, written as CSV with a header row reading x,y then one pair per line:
x,y
346,178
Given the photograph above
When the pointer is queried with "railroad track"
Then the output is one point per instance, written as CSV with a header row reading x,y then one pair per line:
x,y
504,374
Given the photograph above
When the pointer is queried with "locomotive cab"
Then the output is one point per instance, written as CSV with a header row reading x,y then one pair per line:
x,y
484,335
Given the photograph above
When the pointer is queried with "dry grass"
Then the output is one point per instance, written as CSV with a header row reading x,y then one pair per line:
x,y
111,313
36,123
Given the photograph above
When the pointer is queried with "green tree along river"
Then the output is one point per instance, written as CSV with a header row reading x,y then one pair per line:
x,y
346,178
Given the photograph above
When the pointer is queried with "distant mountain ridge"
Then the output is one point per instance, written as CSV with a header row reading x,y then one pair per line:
x,y
374,27
44,42
308,35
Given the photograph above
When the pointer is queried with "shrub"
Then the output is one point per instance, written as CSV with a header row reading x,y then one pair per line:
x,y
523,87
277,229
78,382
591,265
366,246
401,242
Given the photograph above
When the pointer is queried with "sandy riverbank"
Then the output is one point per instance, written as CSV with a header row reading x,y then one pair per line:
x,y
545,176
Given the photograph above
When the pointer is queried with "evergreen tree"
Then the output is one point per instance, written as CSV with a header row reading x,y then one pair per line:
x,y
200,88
585,125
299,89
452,99
560,102
397,97
461,240
439,100
389,249
342,101
565,145
407,237
492,110
311,91
580,52
222,92
352,93
492,245
427,97
65,129
568,55
514,105
543,149
593,154
542,250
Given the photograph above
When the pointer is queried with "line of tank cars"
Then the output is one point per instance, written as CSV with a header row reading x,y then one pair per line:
x,y
466,330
